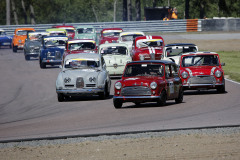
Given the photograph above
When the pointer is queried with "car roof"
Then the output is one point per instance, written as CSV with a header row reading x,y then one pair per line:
x,y
179,44
153,61
30,29
55,29
105,29
131,32
84,55
200,53
2,30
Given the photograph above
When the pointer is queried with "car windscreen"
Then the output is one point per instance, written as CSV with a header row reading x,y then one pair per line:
x,y
114,50
144,70
55,42
22,32
81,63
81,46
85,30
2,33
130,37
111,34
149,43
200,60
179,50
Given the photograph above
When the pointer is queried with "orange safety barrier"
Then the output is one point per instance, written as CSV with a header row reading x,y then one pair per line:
x,y
192,25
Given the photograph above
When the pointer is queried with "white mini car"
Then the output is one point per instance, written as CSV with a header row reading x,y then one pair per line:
x,y
116,56
174,51
83,74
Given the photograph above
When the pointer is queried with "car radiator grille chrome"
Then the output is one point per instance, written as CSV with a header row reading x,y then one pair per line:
x,y
69,85
58,55
136,91
202,80
79,82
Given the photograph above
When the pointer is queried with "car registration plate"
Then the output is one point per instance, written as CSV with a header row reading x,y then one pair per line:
x,y
6,43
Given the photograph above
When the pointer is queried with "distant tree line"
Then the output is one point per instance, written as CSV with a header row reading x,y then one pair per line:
x,y
78,11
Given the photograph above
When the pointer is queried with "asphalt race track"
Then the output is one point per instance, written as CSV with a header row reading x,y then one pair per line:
x,y
29,106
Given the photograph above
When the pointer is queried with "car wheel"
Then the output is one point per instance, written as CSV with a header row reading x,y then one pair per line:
x,y
117,103
137,103
104,94
61,97
42,65
180,96
14,48
27,58
163,98
221,89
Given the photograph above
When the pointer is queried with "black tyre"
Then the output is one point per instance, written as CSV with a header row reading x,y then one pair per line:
x,y
42,65
137,103
27,58
61,97
221,89
104,94
163,98
14,48
117,103
180,96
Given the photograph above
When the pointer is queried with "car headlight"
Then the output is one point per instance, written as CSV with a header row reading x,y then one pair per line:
x,y
141,57
92,79
118,85
106,42
218,73
153,85
184,74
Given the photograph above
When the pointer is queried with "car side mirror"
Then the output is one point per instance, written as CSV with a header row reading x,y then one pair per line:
x,y
104,66
222,64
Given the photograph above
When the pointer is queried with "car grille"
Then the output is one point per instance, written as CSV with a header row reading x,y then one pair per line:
x,y
69,85
79,82
58,55
136,90
90,85
202,80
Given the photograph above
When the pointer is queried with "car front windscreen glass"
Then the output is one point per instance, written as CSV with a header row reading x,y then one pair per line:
x,y
149,43
144,70
200,60
130,37
85,30
54,43
22,32
81,63
81,46
179,50
114,50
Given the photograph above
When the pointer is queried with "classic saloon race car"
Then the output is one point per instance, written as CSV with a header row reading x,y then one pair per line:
x,y
86,32
174,51
70,30
148,81
147,48
83,74
116,56
5,40
202,70
20,35
57,32
33,44
52,50
110,35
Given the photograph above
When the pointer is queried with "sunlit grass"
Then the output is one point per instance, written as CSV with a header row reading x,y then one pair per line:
x,y
232,64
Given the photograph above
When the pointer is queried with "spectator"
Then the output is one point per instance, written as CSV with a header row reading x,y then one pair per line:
x,y
174,13
165,18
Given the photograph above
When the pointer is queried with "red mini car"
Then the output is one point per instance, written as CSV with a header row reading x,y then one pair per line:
x,y
148,81
202,70
147,48
110,35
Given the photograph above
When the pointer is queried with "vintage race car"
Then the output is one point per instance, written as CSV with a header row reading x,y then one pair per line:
x,y
86,32
147,48
128,37
116,56
57,32
148,81
174,51
202,70
52,50
33,44
83,74
20,35
5,40
70,30
110,35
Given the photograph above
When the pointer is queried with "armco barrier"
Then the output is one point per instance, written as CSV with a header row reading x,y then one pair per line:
x,y
221,24
145,26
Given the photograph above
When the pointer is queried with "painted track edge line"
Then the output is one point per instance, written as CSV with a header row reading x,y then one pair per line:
x,y
232,81
114,133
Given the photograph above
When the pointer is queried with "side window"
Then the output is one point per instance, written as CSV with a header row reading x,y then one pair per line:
x,y
167,71
174,70
103,62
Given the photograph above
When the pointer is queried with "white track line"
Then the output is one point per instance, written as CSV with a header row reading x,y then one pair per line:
x,y
232,81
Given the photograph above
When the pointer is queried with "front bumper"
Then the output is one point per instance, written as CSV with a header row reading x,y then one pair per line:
x,y
80,91
52,61
137,98
195,86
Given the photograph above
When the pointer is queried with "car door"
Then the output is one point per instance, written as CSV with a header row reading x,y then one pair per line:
x,y
170,81
176,80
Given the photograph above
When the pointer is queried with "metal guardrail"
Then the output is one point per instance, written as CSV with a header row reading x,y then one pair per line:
x,y
145,26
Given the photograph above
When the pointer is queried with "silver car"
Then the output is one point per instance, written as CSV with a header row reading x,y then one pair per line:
x,y
83,74
33,44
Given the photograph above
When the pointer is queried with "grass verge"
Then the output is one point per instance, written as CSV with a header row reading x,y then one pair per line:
x,y
232,64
